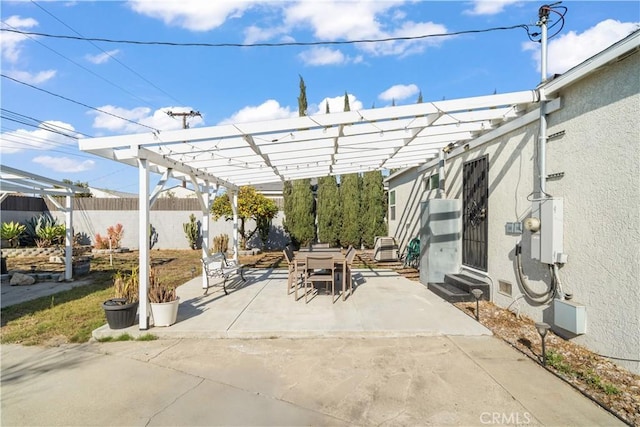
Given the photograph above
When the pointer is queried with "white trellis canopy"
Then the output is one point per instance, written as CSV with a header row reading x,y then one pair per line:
x,y
233,155
15,181
239,154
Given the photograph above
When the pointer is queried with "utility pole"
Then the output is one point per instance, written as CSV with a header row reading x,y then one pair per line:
x,y
185,125
184,116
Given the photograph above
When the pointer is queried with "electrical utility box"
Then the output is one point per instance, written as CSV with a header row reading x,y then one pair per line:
x,y
570,316
547,238
440,239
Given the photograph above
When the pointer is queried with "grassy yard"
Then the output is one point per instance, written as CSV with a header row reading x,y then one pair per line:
x,y
70,316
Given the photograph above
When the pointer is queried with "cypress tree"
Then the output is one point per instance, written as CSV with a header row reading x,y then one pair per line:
x,y
328,209
299,209
373,208
419,101
288,222
350,189
347,107
302,99
304,227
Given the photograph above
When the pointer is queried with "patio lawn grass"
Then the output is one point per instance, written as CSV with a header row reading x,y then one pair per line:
x,y
71,316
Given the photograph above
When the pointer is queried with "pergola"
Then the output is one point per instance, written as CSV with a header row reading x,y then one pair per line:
x,y
234,155
15,181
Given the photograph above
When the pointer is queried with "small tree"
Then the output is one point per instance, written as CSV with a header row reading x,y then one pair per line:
x,y
251,206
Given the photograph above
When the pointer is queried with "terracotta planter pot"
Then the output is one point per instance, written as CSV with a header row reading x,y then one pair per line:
x,y
165,313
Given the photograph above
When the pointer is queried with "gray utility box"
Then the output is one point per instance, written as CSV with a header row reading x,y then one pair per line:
x,y
440,239
385,249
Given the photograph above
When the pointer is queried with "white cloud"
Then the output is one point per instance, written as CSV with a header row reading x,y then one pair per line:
x,y
101,58
327,20
38,139
338,20
11,43
32,78
268,110
322,56
158,119
336,105
489,7
192,15
399,92
571,49
64,164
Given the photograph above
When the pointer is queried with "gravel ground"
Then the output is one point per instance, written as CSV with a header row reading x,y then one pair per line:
x,y
611,386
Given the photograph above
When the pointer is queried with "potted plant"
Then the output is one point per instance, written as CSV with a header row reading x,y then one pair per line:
x,y
164,301
121,310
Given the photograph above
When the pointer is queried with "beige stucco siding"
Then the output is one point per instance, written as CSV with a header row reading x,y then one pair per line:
x,y
599,157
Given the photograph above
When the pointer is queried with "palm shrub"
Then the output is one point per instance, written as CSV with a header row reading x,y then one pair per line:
x,y
11,231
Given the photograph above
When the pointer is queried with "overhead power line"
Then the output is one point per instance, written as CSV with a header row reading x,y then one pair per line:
x,y
133,95
78,102
106,53
281,44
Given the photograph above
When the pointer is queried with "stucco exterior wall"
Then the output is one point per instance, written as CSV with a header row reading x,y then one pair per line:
x,y
599,155
409,192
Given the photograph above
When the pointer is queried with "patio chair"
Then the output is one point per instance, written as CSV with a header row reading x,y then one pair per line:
x,y
349,257
318,268
294,275
218,266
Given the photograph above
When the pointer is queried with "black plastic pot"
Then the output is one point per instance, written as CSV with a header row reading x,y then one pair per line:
x,y
119,314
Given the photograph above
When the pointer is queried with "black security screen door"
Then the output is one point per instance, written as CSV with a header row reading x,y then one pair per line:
x,y
475,196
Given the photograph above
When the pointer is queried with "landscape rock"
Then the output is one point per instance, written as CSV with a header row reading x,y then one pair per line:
x,y
20,279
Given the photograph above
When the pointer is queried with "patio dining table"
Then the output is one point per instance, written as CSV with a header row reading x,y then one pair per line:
x,y
339,259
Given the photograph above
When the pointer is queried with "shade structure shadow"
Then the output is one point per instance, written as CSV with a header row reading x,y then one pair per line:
x,y
383,303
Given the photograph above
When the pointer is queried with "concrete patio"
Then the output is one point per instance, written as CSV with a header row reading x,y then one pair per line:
x,y
383,304
391,354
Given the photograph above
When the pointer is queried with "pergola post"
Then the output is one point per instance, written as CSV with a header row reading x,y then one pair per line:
x,y
234,208
206,215
68,240
143,242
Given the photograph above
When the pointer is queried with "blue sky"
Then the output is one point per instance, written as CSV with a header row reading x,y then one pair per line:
x,y
232,84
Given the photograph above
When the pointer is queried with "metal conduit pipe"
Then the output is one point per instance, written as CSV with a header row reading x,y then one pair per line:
x,y
537,297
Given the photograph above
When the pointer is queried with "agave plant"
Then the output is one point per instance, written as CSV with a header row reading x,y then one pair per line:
x,y
49,235
44,220
11,232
